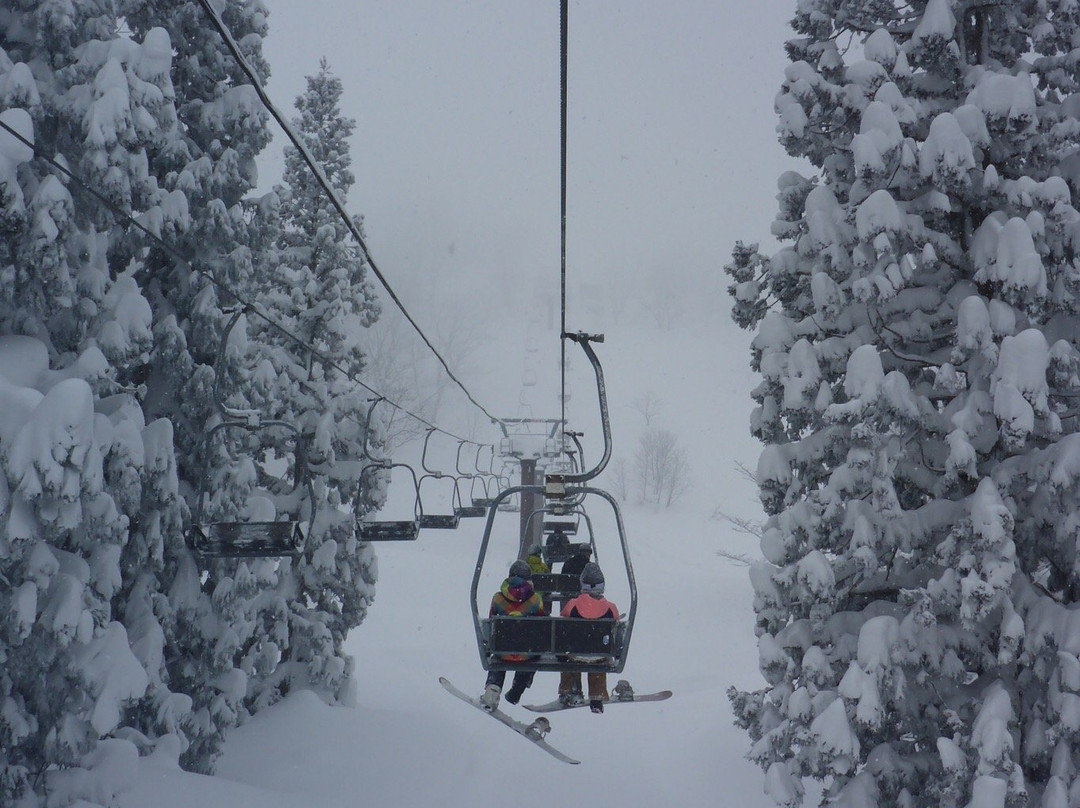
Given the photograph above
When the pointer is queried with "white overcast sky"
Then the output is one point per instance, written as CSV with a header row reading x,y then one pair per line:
x,y
672,145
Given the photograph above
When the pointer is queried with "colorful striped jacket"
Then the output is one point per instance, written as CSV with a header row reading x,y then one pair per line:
x,y
516,598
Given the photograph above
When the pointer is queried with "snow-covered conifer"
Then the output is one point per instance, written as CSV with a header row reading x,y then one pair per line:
x,y
320,291
88,490
916,334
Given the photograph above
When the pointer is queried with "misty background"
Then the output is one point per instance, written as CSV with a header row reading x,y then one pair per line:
x,y
672,156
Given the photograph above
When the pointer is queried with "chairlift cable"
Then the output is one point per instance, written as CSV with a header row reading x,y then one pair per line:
x,y
250,306
335,200
564,17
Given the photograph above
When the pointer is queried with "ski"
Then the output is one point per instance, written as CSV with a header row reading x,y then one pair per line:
x,y
534,732
621,694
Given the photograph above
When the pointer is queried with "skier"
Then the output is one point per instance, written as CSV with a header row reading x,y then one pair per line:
x,y
576,563
573,566
536,561
515,598
590,604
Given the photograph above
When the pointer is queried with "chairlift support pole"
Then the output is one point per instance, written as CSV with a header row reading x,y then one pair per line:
x,y
532,498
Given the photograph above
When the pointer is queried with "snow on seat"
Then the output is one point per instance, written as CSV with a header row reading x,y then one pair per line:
x,y
247,539
399,530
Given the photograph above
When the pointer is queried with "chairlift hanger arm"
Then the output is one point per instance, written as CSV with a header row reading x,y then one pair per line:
x,y
230,414
576,438
367,426
423,455
457,462
585,341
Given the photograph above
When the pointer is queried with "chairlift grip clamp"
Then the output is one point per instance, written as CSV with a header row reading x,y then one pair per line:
x,y
582,337
554,487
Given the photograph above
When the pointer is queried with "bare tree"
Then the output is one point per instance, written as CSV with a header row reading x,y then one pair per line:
x,y
665,302
647,405
749,527
403,370
620,478
661,467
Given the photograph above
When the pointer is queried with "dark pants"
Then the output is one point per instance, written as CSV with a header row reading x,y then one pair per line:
x,y
522,679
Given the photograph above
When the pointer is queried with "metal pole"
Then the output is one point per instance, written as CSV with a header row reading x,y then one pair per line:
x,y
530,502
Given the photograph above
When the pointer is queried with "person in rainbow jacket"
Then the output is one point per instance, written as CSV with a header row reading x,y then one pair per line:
x,y
592,605
515,598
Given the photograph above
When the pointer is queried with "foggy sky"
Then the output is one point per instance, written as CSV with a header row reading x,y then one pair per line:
x,y
672,146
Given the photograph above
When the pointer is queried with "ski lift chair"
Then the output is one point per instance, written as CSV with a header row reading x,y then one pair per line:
x,y
463,511
560,643
510,504
240,538
484,479
391,529
474,510
553,643
439,521
436,521
505,481
480,493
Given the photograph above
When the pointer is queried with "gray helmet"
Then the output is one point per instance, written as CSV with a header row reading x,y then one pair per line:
x,y
592,579
520,569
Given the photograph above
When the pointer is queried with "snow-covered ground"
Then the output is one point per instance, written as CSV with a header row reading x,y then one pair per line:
x,y
407,742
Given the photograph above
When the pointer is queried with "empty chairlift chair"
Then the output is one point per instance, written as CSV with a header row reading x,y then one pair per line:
x,y
391,529
473,510
210,535
463,511
436,521
439,521
480,487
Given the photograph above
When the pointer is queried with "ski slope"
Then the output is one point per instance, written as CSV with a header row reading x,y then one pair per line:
x,y
407,742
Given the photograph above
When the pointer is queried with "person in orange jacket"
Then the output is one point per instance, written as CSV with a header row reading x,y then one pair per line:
x,y
591,605
515,598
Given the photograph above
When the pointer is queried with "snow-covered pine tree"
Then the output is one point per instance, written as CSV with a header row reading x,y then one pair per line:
x,y
214,614
254,629
917,335
88,488
320,291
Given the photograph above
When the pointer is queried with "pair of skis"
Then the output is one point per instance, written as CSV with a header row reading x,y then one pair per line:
x,y
538,729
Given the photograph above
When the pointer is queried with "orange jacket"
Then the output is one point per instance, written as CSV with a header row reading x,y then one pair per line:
x,y
590,607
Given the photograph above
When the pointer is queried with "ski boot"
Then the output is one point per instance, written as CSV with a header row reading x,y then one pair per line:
x,y
513,695
489,699
623,691
572,698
